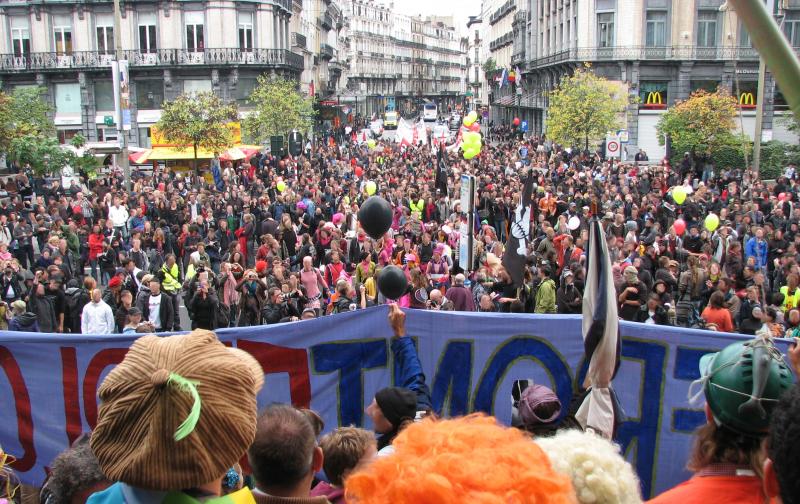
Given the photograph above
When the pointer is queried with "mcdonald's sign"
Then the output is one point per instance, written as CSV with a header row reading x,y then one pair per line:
x,y
655,100
746,100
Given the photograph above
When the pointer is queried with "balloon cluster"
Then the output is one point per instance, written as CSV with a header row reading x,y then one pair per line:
x,y
470,119
471,144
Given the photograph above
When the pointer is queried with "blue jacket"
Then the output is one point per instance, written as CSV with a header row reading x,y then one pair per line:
x,y
758,250
409,371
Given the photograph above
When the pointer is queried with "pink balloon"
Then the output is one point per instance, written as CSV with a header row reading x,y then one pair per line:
x,y
476,127
338,218
679,226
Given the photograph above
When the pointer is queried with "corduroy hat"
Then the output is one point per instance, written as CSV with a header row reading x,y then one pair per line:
x,y
397,404
177,412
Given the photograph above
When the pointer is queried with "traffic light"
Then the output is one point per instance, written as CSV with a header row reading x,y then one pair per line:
x,y
276,145
295,143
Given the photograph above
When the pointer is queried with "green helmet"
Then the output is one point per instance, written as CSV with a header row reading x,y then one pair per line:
x,y
743,383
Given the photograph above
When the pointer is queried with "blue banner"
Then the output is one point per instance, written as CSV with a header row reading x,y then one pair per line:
x,y
335,365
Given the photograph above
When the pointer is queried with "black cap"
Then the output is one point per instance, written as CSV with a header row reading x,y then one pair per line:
x,y
397,404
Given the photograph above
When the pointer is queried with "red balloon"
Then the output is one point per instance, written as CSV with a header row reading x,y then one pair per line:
x,y
516,121
679,226
476,127
782,196
359,171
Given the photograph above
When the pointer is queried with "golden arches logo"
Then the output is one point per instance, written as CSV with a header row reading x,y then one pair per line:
x,y
747,100
654,98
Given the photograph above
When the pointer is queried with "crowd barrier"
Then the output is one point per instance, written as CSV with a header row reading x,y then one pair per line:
x,y
336,364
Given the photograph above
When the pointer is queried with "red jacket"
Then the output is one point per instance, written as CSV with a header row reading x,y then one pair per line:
x,y
95,245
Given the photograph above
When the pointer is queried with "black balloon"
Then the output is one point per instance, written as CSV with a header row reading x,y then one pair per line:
x,y
392,282
375,216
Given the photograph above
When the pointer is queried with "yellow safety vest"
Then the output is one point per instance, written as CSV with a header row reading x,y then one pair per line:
x,y
417,209
171,283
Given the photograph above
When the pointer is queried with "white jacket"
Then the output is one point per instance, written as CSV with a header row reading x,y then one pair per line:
x,y
118,215
97,318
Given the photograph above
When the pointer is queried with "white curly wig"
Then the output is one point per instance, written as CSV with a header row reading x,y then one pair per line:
x,y
598,471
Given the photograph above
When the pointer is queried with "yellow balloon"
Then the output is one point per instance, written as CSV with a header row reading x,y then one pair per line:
x,y
473,115
371,187
679,194
468,121
371,143
470,153
281,185
712,222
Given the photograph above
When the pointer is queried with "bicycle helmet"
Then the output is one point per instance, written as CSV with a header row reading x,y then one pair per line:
x,y
743,382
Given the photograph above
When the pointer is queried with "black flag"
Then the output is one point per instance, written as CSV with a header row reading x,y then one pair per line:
x,y
516,251
441,171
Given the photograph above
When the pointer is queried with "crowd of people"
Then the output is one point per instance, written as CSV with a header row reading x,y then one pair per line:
x,y
198,399
279,240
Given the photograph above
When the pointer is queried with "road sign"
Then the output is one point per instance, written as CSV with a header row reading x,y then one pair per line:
x,y
612,146
523,126
623,136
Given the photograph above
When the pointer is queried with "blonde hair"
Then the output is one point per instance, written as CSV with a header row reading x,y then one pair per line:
x,y
343,449
470,459
599,473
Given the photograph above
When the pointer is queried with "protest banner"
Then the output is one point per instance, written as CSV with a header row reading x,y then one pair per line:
x,y
335,365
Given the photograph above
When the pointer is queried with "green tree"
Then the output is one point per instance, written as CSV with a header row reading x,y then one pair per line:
x,y
583,107
23,112
87,162
279,109
198,120
44,154
489,66
703,123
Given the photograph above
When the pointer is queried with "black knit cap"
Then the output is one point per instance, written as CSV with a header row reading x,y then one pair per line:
x,y
397,404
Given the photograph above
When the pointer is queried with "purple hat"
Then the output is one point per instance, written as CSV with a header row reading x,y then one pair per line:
x,y
531,398
301,205
439,249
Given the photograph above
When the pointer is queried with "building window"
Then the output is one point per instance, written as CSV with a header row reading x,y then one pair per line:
x,y
103,96
605,29
707,28
191,86
194,31
62,34
791,27
653,95
244,88
20,36
744,37
149,94
65,135
107,135
706,85
147,32
104,24
656,31
68,98
246,31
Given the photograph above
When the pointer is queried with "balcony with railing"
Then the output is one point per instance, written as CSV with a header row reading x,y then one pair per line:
x,y
326,52
87,60
298,40
643,53
326,21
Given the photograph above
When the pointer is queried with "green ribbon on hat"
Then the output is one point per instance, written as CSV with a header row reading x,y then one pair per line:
x,y
189,424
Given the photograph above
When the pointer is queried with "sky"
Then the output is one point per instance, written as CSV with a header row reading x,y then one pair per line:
x,y
460,9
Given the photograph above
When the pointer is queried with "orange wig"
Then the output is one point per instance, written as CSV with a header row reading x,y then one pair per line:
x,y
470,459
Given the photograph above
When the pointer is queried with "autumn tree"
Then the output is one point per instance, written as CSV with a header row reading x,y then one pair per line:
x,y
23,113
279,108
198,120
583,107
702,123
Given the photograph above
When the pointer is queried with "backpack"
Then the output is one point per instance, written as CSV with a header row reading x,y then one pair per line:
x,y
222,317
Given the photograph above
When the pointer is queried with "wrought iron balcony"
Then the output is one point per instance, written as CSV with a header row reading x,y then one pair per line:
x,y
326,21
326,51
298,40
666,53
83,60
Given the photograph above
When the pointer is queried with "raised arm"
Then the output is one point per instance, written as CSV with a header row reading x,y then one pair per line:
x,y
405,354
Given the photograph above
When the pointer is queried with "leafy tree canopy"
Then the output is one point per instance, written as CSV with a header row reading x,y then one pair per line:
x,y
583,107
